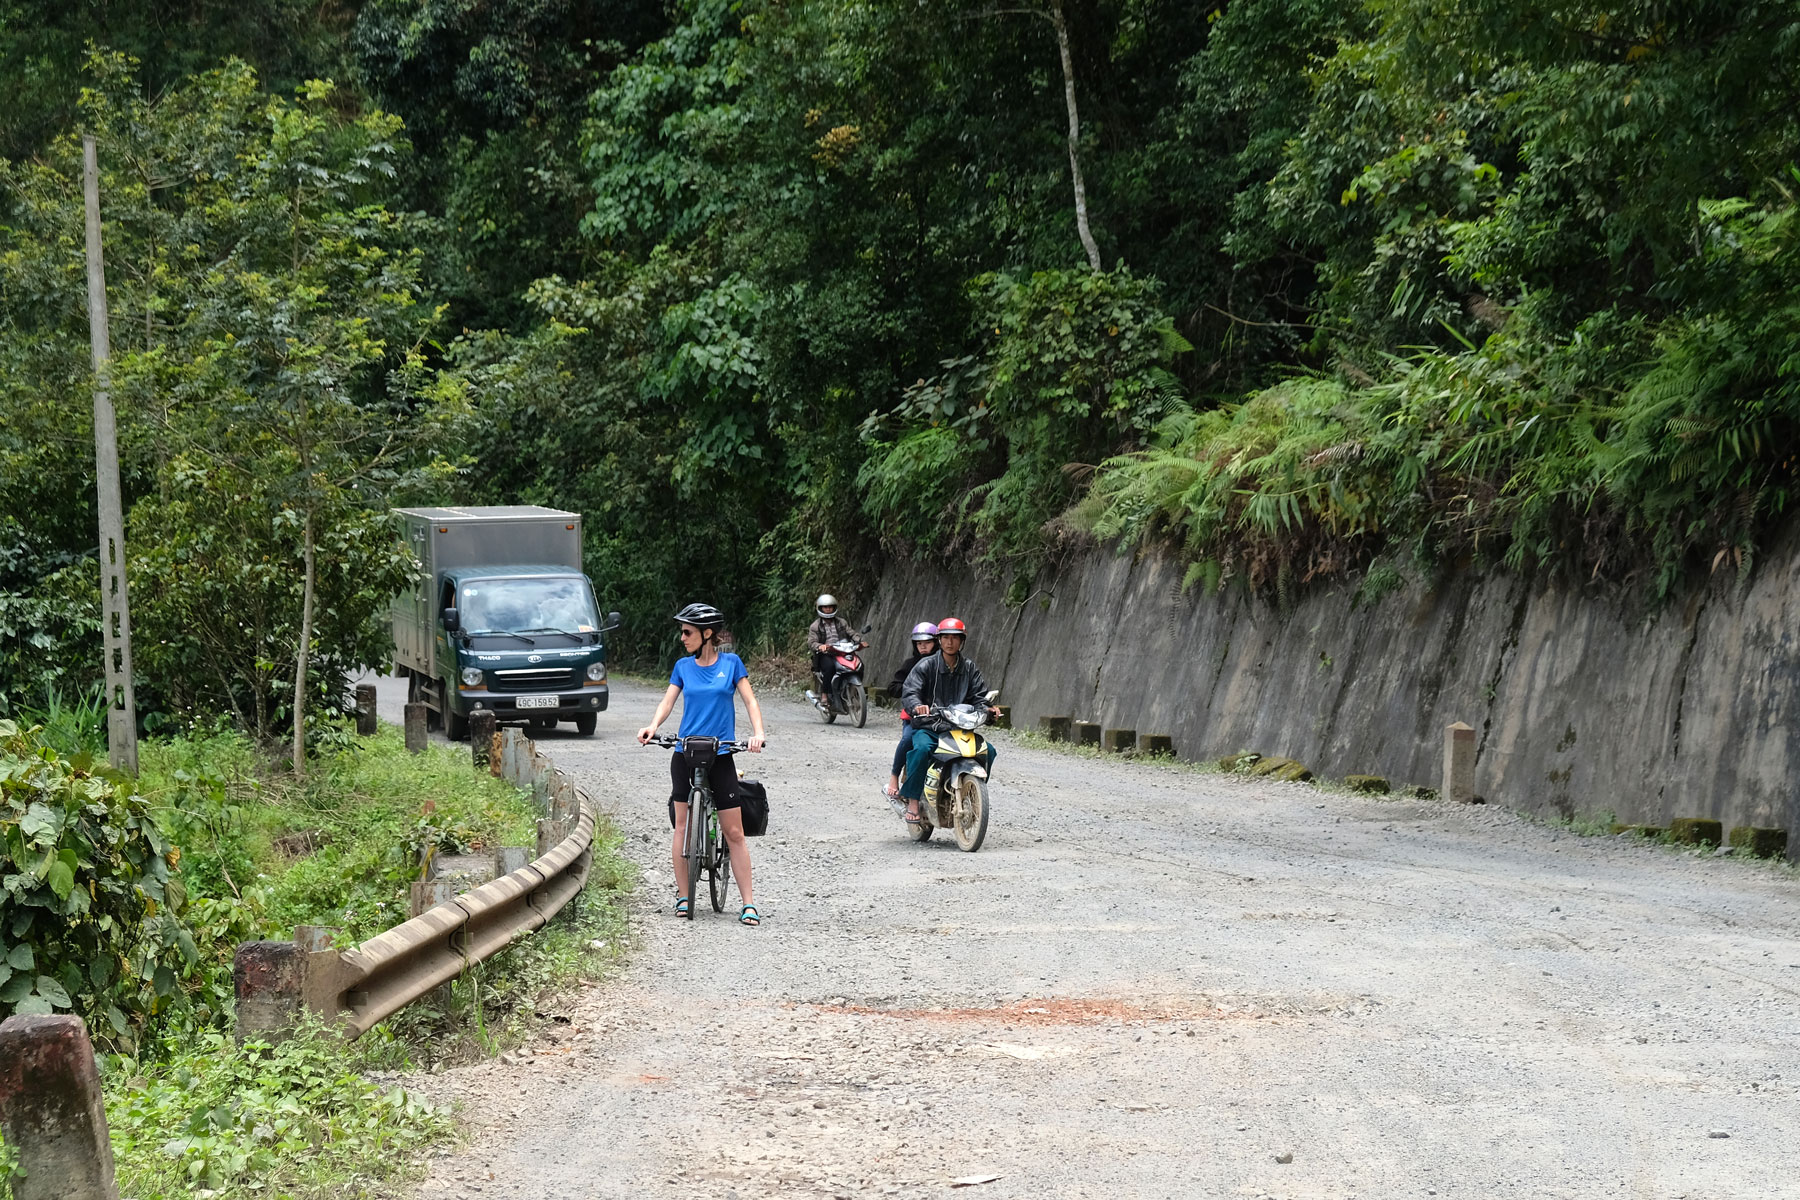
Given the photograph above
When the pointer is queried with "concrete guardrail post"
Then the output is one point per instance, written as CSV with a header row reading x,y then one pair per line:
x,y
481,737
1056,728
1087,733
1120,740
415,726
365,710
275,981
515,757
51,1110
1004,720
1459,763
1156,743
270,981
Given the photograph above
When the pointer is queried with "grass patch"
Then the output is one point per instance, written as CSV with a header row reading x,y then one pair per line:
x,y
339,847
298,1119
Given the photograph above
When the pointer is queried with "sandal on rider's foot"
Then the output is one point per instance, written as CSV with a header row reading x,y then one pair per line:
x,y
749,916
681,906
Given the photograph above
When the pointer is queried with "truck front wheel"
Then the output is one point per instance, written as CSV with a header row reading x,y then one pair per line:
x,y
456,726
585,723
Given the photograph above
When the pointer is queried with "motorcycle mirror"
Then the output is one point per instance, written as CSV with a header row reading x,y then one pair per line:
x,y
865,628
993,695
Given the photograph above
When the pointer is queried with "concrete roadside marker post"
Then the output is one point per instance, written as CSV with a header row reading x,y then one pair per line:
x,y
1696,831
1004,720
51,1110
1056,729
1156,743
1120,740
1459,763
1759,842
481,737
415,726
365,710
1087,733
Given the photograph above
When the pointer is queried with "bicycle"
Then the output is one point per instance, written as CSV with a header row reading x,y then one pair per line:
x,y
705,847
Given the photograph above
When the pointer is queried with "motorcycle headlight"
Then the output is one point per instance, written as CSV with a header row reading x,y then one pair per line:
x,y
471,676
597,672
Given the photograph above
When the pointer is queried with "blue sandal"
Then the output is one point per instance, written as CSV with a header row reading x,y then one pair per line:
x,y
681,906
749,916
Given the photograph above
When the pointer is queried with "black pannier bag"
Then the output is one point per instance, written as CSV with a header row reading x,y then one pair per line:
x,y
754,804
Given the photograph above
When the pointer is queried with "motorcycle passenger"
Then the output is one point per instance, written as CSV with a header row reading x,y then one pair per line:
x,y
939,681
706,680
924,642
827,628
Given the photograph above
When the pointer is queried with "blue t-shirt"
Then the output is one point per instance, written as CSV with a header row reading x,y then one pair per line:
x,y
706,696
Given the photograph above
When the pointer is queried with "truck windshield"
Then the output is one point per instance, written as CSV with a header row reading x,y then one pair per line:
x,y
528,604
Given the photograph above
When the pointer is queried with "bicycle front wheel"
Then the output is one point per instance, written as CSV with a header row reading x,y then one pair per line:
x,y
695,848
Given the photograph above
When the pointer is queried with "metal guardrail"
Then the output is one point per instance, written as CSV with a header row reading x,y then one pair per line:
x,y
358,988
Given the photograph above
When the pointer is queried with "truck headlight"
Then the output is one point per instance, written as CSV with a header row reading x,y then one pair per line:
x,y
597,672
471,676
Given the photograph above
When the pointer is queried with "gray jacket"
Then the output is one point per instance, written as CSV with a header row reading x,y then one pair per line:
x,y
931,682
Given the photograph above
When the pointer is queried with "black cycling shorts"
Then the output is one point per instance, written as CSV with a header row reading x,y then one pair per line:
x,y
722,776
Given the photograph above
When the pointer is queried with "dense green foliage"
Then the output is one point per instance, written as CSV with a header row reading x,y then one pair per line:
x,y
90,913
125,903
768,288
268,370
125,900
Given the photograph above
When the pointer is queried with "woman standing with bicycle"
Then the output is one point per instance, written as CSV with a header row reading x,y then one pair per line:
x,y
706,681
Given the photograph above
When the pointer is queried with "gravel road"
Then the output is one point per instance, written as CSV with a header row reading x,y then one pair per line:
x,y
1154,982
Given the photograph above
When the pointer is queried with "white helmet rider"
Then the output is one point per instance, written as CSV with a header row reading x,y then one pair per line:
x,y
825,601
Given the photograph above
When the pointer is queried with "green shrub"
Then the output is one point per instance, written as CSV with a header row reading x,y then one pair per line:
x,y
89,908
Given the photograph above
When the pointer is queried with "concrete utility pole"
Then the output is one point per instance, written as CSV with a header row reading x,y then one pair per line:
x,y
121,703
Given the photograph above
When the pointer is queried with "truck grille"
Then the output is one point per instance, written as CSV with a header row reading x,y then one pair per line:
x,y
536,679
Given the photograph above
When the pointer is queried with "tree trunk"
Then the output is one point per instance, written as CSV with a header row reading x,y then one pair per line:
x,y
300,659
1068,71
306,644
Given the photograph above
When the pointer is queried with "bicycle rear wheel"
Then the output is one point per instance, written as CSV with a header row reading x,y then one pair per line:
x,y
718,873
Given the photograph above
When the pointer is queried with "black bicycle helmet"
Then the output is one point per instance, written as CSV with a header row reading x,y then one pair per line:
x,y
701,616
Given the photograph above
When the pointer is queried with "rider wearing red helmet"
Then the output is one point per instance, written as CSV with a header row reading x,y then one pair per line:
x,y
938,681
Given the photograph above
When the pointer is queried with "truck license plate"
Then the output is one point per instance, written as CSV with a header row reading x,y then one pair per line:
x,y
538,701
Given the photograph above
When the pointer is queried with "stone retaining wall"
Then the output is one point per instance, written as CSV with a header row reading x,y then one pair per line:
x,y
1579,707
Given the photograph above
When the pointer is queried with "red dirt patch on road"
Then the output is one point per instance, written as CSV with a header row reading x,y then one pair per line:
x,y
1063,1011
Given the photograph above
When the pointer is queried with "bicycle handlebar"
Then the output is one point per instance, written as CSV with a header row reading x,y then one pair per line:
x,y
675,743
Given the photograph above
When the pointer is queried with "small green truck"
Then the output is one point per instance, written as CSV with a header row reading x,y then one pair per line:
x,y
502,618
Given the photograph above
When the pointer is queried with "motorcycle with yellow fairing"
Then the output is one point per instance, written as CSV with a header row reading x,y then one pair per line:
x,y
956,783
